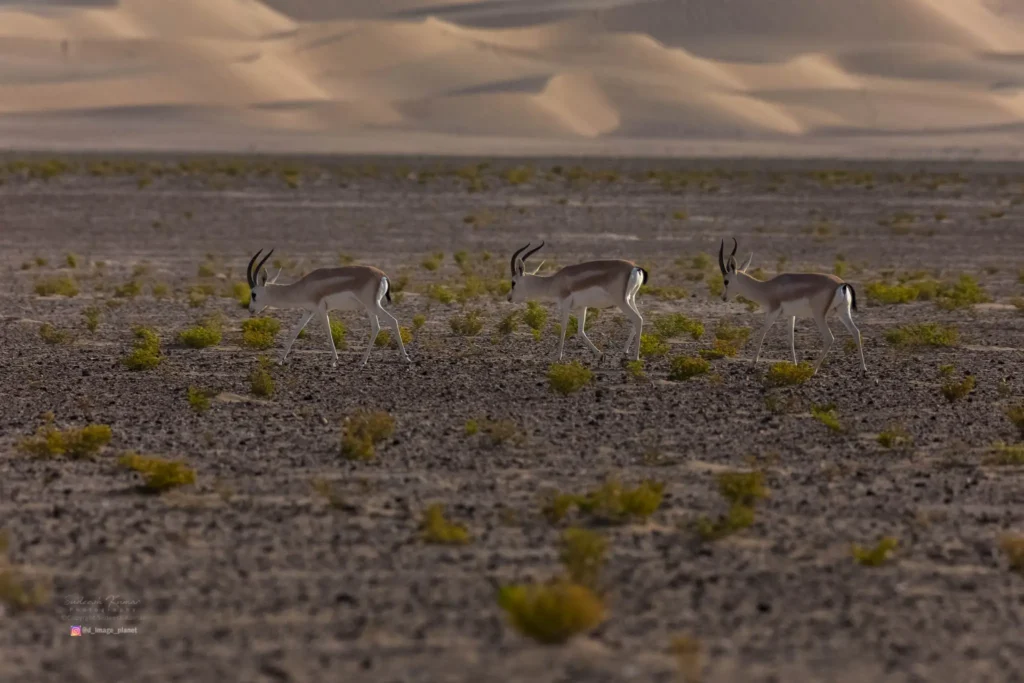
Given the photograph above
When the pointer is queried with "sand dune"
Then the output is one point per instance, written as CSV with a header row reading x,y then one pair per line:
x,y
507,75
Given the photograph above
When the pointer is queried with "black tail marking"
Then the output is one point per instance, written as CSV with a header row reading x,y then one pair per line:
x,y
387,289
644,281
853,296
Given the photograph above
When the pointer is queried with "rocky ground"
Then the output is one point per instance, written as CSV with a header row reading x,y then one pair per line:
x,y
286,560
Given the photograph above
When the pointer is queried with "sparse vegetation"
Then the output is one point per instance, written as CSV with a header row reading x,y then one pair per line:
x,y
58,285
51,335
954,391
260,382
77,443
876,555
1012,546
435,528
566,378
1003,454
259,333
468,325
535,317
327,491
553,612
923,335
652,346
199,399
583,556
92,318
146,354
742,491
611,503
159,474
687,367
827,416
676,325
362,431
509,323
1016,415
71,260
433,262
635,369
18,593
241,293
418,321
895,437
496,431
440,293
128,290
785,374
338,333
199,336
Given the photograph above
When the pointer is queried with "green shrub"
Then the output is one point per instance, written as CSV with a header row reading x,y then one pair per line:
x,y
159,474
1016,416
785,374
566,378
923,335
128,290
201,336
241,293
954,391
199,399
676,325
509,323
895,437
384,338
721,348
60,285
260,382
687,367
827,416
146,353
551,613
535,316
635,369
583,556
440,293
51,335
436,529
75,443
338,333
418,321
736,519
742,488
874,556
468,325
259,333
611,503
71,260
433,262
964,293
731,333
1002,454
92,318
362,431
652,346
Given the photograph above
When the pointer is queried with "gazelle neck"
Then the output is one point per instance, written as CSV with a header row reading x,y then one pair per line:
x,y
748,287
279,296
538,286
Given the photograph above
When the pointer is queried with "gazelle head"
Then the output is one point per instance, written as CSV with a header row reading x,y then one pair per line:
x,y
257,282
729,268
518,266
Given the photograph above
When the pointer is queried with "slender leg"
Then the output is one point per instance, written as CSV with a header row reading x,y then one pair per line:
x,y
330,339
295,334
393,322
374,329
847,320
827,336
638,327
792,337
769,319
582,321
565,324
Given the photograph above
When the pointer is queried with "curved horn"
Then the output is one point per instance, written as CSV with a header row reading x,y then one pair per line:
x,y
512,263
532,252
256,272
721,256
248,270
735,245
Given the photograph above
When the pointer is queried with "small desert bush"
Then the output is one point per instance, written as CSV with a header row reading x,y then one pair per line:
x,y
75,443
923,335
18,593
535,316
827,416
635,369
92,318
785,374
260,382
160,290
468,325
384,338
1012,546
874,556
509,323
676,325
436,529
206,269
721,348
60,285
338,333
128,290
653,346
259,333
583,556
742,491
611,503
731,333
200,336
199,399
51,335
146,350
496,431
418,321
71,260
553,612
158,474
433,262
687,367
962,294
1016,415
895,437
241,293
1003,454
362,431
327,491
902,293
666,292
736,519
440,293
954,391
566,378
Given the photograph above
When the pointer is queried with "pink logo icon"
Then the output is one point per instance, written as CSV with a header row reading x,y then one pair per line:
x,y
76,630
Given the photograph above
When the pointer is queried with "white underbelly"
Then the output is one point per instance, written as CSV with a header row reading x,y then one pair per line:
x,y
344,301
801,308
593,297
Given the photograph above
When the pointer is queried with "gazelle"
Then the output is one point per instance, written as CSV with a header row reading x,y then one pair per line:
x,y
804,295
323,290
593,284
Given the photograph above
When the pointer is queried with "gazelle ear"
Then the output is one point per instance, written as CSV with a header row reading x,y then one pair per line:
x,y
261,279
747,264
535,270
274,279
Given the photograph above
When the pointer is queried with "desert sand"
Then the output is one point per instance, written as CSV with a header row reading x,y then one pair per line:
x,y
924,78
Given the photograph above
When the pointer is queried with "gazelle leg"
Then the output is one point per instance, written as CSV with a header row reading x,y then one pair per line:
x,y
638,327
847,320
581,324
769,319
330,338
295,334
564,310
374,329
827,337
393,323
792,337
